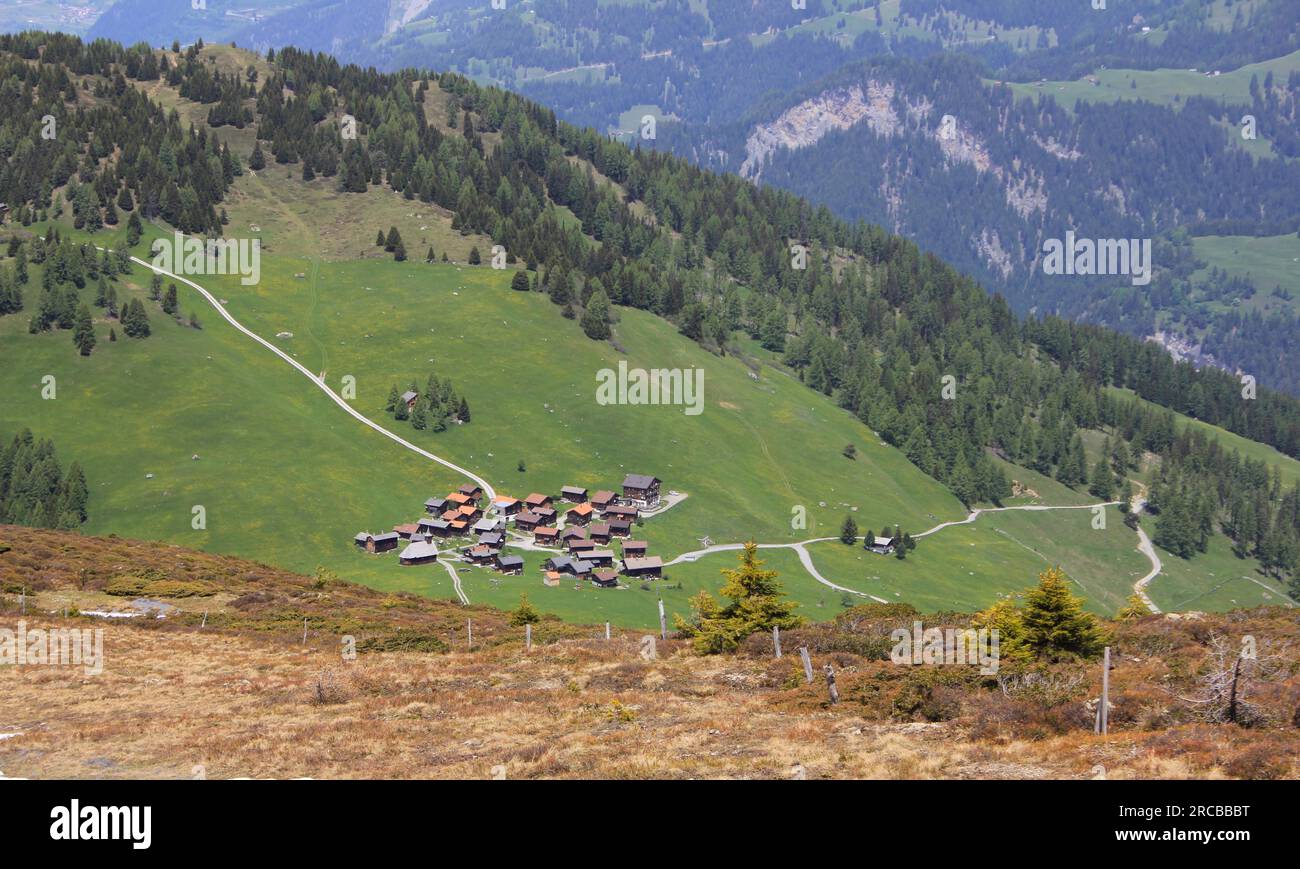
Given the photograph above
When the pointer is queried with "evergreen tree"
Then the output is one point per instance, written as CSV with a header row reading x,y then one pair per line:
x,y
757,604
1055,625
84,333
849,531
595,320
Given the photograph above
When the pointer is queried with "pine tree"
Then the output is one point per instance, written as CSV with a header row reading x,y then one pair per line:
x,y
757,605
849,531
1103,479
474,257
526,614
84,333
519,282
1056,627
257,160
595,320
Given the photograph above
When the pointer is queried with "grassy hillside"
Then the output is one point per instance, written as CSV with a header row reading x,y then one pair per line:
x,y
1268,261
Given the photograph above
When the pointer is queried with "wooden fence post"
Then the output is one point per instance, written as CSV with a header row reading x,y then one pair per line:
x,y
606,630
469,633
807,664
830,685
663,621
776,640
1105,691
528,637
205,619
304,630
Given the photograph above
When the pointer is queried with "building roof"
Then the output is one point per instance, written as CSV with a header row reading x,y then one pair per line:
x,y
622,510
467,510
504,501
406,529
469,489
575,532
602,554
362,537
634,544
581,543
432,523
408,395
599,528
419,549
643,563
605,575
494,538
572,490
581,509
546,531
603,496
639,481
526,517
391,535
882,541
486,525
435,502
458,498
510,561
537,498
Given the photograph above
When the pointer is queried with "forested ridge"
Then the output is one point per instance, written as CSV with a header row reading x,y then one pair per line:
x,y
870,320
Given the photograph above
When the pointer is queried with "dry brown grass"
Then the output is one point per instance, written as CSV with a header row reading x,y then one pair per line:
x,y
244,697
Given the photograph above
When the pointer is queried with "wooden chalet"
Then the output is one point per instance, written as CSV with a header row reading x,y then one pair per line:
x,y
546,514
635,548
377,542
434,527
565,564
879,545
622,511
405,531
435,506
598,557
641,489
546,535
487,525
470,513
457,499
602,500
471,491
481,554
552,577
573,494
619,528
410,398
495,539
573,532
578,546
418,552
512,565
600,532
504,505
535,500
605,578
579,514
651,567
527,521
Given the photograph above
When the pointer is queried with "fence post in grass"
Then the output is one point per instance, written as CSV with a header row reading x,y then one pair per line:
x,y
776,640
830,685
1105,691
663,621
304,630
528,638
204,624
807,664
22,601
607,630
469,633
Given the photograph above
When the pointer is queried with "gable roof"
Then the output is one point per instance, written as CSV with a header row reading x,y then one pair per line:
x,y
537,498
458,498
603,496
581,509
510,560
419,549
391,535
408,395
643,563
573,490
639,481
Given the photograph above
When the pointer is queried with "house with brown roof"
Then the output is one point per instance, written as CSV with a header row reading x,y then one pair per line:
x,y
603,499
651,567
410,398
545,535
641,489
435,505
458,499
527,521
471,491
405,531
622,511
470,513
546,514
434,527
600,532
574,532
619,528
605,578
634,548
578,546
536,499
